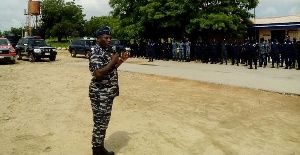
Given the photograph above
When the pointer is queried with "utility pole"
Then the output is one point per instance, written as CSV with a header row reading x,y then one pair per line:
x,y
22,30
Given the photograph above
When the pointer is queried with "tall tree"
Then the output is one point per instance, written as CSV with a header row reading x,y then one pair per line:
x,y
62,19
13,30
131,19
95,23
154,18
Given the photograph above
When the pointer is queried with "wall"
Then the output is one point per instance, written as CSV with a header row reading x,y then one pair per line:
x,y
265,33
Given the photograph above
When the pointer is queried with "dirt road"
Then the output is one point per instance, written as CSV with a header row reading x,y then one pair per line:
x,y
45,109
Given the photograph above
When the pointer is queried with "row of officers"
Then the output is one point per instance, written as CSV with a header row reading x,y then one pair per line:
x,y
253,53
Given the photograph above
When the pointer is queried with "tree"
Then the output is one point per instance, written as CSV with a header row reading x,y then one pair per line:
x,y
183,17
62,19
131,21
95,23
13,30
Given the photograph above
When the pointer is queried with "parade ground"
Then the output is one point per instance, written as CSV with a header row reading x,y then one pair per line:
x,y
270,79
164,108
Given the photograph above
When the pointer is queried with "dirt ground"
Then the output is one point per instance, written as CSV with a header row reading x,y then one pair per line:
x,y
45,109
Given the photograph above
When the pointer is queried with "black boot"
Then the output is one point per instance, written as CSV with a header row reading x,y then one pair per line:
x,y
96,150
105,152
101,151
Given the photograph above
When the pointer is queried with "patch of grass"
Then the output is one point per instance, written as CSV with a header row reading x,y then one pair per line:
x,y
63,43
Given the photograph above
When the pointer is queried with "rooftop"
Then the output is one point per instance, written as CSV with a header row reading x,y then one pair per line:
x,y
283,19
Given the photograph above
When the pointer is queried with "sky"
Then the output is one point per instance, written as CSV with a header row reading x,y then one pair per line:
x,y
12,11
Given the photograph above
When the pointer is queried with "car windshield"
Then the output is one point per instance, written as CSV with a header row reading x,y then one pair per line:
x,y
4,42
37,43
90,42
114,42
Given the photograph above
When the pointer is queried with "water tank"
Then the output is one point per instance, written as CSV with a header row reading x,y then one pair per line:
x,y
34,7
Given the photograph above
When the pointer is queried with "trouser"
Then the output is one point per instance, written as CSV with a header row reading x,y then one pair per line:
x,y
275,59
235,58
188,54
151,55
253,59
263,59
213,57
166,54
288,60
174,54
181,54
205,57
101,107
224,56
298,61
198,55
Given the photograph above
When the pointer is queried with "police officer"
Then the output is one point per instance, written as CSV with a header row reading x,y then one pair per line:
x,y
213,49
294,53
181,51
275,45
235,53
262,53
166,50
150,50
205,52
252,49
287,50
198,51
103,87
134,48
298,54
245,52
188,50
142,48
224,54
174,50
158,50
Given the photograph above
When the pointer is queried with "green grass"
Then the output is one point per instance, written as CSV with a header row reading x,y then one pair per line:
x,y
53,42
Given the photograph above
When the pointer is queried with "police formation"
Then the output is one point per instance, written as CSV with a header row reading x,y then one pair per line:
x,y
262,53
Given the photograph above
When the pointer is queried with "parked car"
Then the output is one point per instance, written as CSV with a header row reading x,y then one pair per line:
x,y
82,46
118,46
7,52
34,49
13,39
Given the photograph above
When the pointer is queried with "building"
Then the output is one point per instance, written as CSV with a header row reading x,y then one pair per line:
x,y
277,27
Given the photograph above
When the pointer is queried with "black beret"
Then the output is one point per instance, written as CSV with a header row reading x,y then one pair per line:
x,y
104,30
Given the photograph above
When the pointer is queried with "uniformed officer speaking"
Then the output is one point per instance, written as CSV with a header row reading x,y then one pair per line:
x,y
103,87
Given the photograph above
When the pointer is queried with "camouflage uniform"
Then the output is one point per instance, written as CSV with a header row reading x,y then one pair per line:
x,y
102,92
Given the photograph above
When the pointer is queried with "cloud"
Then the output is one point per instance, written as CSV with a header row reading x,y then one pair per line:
x,y
12,11
269,11
294,10
94,7
277,8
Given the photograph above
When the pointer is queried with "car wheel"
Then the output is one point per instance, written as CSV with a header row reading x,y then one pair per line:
x,y
73,53
19,56
31,57
52,58
87,54
13,61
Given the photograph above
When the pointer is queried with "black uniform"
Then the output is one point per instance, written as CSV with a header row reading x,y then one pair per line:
x,y
275,45
252,48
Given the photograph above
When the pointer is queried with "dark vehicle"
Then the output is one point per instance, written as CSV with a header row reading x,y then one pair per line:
x,y
82,46
13,39
7,52
34,49
118,46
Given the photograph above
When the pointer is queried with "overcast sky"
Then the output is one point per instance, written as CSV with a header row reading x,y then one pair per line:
x,y
12,11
